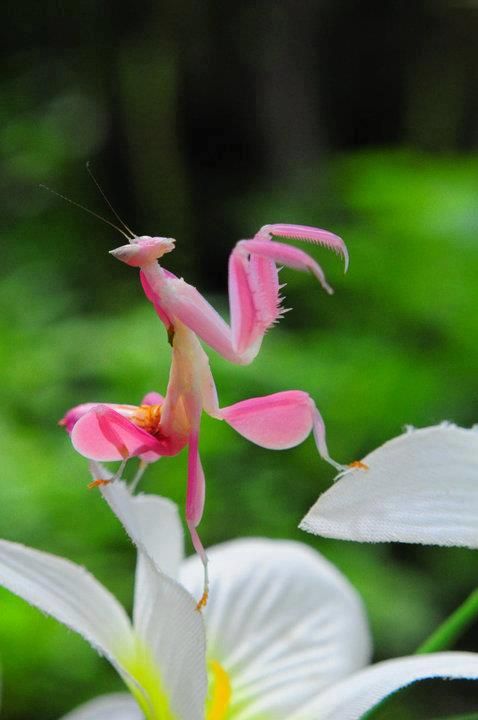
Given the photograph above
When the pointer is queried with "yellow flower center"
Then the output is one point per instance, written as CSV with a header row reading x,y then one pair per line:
x,y
153,699
150,694
221,692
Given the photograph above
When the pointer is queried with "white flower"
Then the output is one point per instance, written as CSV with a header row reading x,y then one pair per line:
x,y
287,635
421,487
161,655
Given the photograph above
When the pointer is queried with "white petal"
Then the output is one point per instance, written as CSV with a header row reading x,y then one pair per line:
x,y
421,487
173,631
281,620
152,522
71,595
165,615
351,698
117,706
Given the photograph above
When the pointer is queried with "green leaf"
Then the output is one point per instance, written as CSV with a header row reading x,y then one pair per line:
x,y
449,631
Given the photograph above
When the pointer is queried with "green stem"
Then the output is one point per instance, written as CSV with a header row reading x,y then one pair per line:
x,y
449,631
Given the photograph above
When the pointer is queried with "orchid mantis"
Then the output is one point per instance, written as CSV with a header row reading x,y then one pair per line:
x,y
163,426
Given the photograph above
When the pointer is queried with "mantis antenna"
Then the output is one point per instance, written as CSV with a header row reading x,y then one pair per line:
x,y
90,212
90,173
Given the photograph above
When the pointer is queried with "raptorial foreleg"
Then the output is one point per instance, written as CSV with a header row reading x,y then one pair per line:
x,y
254,291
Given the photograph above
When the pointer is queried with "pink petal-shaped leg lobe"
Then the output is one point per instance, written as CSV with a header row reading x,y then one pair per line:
x,y
71,417
279,421
103,434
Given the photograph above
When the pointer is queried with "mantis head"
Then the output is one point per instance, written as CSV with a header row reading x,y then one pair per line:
x,y
143,250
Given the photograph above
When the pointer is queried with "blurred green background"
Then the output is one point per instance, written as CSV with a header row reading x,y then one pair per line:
x,y
204,121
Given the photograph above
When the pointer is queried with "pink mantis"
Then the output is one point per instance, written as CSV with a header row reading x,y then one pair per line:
x,y
162,426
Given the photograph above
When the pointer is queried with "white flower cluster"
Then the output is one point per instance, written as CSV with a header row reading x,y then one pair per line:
x,y
284,635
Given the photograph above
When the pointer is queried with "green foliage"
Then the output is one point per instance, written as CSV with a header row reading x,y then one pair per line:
x,y
445,636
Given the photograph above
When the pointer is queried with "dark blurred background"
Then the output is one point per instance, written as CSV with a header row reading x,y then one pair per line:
x,y
204,121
